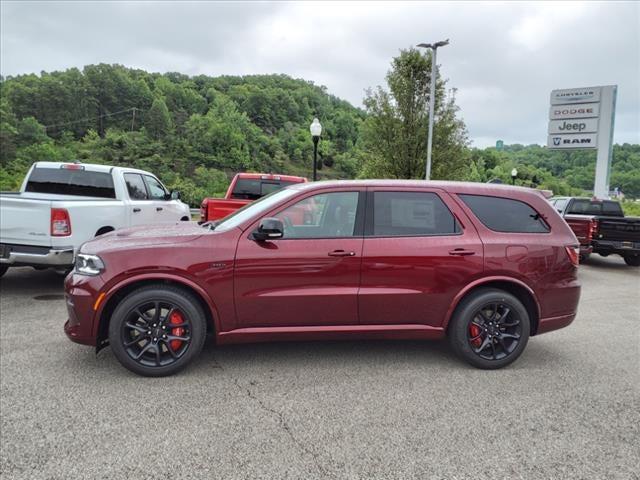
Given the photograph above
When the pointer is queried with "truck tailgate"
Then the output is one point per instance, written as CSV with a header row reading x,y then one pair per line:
x,y
619,229
581,226
25,221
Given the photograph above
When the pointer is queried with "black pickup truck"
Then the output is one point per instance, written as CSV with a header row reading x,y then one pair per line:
x,y
601,227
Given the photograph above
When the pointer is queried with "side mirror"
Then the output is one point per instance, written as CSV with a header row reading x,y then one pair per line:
x,y
174,195
269,229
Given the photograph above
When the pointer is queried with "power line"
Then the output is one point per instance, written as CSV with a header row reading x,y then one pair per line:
x,y
92,118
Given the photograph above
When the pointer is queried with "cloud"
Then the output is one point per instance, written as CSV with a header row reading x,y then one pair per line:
x,y
504,58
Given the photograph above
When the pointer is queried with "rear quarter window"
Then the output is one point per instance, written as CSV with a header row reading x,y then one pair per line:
x,y
505,214
62,181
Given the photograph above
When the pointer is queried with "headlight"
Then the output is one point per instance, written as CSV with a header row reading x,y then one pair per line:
x,y
88,264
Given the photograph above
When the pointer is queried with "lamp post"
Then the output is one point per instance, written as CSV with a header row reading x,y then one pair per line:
x,y
316,129
432,94
514,174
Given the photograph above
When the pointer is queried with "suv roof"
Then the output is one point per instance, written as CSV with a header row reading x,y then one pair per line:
x,y
492,189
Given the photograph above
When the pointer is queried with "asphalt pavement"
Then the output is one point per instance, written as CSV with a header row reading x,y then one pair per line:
x,y
568,408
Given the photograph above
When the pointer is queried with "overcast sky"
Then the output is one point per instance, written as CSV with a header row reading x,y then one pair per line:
x,y
504,58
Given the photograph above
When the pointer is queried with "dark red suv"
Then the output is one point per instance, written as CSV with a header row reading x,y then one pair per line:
x,y
485,265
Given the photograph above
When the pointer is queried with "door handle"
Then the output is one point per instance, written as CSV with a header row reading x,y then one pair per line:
x,y
341,253
461,252
158,209
136,210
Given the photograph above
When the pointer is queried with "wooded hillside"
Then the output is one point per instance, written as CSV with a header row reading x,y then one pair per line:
x,y
195,132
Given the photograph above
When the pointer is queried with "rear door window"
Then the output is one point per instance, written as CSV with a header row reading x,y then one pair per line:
x,y
505,214
401,214
135,186
74,180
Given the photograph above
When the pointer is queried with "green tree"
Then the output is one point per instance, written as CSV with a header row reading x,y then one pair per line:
x,y
395,132
158,119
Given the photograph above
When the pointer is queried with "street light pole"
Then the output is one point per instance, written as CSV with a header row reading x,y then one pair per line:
x,y
315,157
432,99
316,129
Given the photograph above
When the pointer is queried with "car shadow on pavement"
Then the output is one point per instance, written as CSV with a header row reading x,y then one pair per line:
x,y
26,280
612,262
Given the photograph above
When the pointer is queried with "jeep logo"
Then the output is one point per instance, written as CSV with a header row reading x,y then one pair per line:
x,y
572,127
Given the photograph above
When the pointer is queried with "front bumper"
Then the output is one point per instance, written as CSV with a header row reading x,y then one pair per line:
x,y
27,255
80,298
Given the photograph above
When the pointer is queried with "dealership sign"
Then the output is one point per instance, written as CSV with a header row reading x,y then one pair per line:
x,y
584,118
575,95
576,125
585,110
586,140
574,111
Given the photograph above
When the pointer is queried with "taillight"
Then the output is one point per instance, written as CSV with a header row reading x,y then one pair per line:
x,y
203,211
593,228
574,254
60,223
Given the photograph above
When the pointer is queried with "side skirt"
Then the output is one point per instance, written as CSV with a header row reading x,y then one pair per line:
x,y
333,332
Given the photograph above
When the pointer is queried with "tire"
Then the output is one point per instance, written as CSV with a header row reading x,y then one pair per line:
x,y
158,356
484,343
632,260
3,269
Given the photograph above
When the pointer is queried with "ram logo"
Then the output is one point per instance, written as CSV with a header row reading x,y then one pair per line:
x,y
556,140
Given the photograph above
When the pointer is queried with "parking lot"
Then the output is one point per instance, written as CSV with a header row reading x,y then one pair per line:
x,y
568,408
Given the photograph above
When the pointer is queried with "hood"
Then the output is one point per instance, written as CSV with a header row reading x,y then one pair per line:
x,y
144,236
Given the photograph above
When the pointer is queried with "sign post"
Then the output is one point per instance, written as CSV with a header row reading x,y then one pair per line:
x,y
584,118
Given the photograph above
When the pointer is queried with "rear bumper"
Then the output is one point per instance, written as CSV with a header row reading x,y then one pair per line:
x,y
554,323
611,246
586,249
29,255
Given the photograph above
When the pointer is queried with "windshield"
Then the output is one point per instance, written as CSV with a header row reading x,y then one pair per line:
x,y
255,209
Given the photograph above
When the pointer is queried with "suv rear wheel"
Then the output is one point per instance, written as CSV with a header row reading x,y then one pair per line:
x,y
157,330
489,329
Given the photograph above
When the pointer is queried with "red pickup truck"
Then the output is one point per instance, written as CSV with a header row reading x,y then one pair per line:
x,y
244,189
486,266
601,227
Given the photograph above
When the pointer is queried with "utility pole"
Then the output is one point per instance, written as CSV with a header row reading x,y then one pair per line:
x,y
133,118
432,100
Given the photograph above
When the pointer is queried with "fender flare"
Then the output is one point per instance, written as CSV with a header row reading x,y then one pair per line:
x,y
160,276
479,283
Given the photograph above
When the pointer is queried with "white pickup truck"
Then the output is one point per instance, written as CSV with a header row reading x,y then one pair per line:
x,y
62,205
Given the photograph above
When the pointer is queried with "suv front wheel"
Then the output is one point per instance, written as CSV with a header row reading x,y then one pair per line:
x,y
157,330
489,329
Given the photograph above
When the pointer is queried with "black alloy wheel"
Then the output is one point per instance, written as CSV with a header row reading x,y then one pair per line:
x,y
157,330
494,331
156,334
490,328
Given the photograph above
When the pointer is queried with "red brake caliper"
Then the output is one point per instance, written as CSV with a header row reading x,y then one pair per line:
x,y
176,319
475,331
